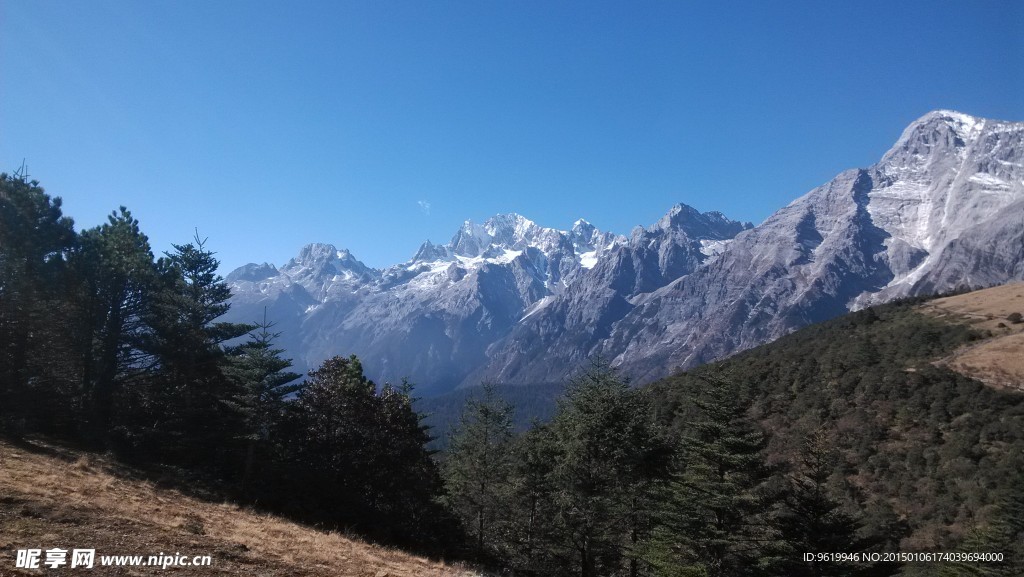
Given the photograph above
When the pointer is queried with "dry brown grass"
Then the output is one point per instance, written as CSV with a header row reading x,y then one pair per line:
x,y
998,360
50,497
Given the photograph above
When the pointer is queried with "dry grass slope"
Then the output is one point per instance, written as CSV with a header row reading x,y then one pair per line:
x,y
996,361
50,497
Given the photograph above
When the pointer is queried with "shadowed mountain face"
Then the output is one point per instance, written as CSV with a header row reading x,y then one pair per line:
x,y
512,302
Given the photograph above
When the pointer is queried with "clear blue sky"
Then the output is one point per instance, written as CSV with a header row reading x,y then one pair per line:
x,y
269,125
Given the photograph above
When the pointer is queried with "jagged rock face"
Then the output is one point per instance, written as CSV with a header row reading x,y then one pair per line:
x,y
561,331
802,265
510,301
948,178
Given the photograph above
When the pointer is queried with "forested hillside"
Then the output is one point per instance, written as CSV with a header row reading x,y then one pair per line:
x,y
928,452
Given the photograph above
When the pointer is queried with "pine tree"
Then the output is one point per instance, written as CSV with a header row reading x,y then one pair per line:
x,y
264,385
409,483
35,238
195,421
532,503
478,468
716,521
608,457
813,521
1003,534
115,267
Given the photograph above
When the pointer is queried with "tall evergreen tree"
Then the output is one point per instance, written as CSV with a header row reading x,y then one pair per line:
x,y
35,238
265,383
814,521
716,520
115,267
608,457
409,485
532,502
1003,534
478,468
194,420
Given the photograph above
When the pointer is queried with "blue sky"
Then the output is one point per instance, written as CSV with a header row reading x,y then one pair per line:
x,y
376,125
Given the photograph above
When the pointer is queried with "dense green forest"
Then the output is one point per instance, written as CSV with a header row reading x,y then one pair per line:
x,y
841,438
926,454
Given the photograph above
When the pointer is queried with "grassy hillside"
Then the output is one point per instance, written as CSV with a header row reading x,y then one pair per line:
x,y
998,358
929,450
53,497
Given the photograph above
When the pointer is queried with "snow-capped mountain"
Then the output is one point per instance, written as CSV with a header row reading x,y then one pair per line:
x,y
432,317
951,185
511,301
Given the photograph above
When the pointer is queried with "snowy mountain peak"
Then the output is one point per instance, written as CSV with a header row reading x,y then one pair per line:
x,y
470,241
348,261
957,120
512,230
588,242
698,225
317,252
252,272
947,175
430,252
932,133
508,223
498,233
581,229
322,259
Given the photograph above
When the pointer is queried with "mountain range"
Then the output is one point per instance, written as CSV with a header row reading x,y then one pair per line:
x,y
512,302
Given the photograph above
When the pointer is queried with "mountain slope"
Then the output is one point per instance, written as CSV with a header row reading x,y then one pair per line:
x,y
51,497
998,360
